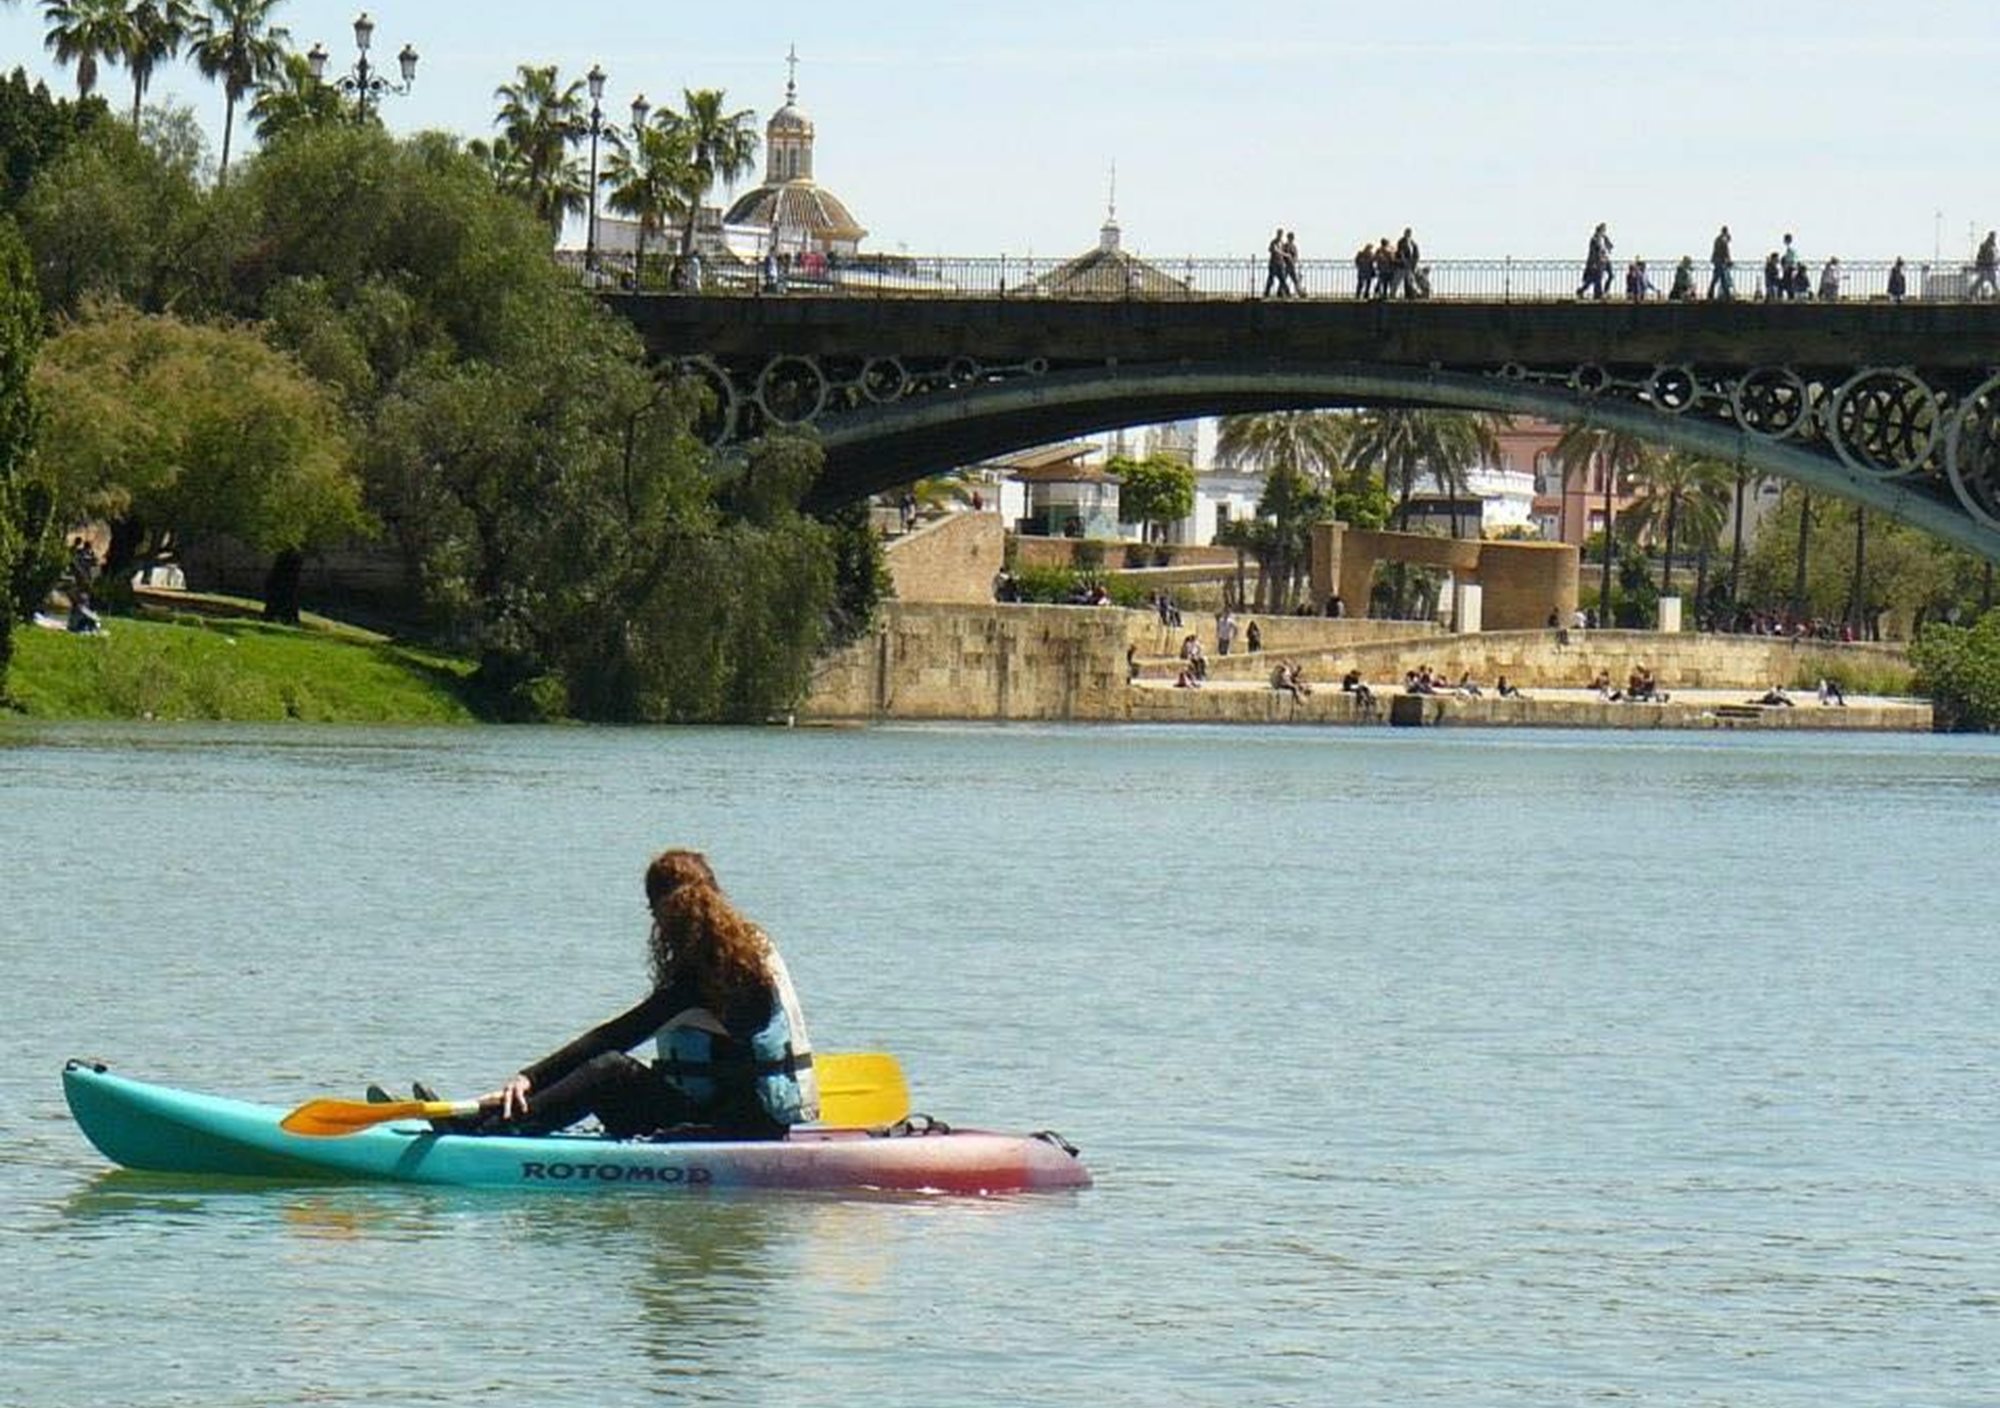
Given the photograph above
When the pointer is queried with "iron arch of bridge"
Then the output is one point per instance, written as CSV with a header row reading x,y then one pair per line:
x,y
1921,455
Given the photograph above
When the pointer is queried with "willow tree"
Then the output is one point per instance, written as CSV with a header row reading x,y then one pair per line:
x,y
20,331
175,432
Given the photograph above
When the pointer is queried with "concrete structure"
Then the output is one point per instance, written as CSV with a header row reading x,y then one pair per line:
x,y
1895,407
1522,583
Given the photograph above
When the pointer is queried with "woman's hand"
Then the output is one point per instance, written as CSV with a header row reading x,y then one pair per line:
x,y
511,1098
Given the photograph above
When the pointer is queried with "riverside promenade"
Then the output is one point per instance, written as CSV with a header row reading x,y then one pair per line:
x,y
997,663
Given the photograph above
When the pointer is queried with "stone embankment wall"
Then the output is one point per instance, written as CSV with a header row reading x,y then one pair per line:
x,y
1002,662
926,660
1564,659
952,559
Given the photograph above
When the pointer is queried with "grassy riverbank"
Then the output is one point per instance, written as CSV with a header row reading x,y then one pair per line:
x,y
203,667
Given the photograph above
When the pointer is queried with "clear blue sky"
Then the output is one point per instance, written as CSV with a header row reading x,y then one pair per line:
x,y
1493,129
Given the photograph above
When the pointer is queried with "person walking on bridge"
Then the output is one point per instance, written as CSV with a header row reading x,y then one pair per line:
x,y
1274,264
1986,268
1407,255
1596,265
1722,269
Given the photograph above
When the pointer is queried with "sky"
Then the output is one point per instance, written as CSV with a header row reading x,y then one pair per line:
x,y
1494,130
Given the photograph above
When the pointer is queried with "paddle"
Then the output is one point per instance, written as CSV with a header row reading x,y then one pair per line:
x,y
856,1089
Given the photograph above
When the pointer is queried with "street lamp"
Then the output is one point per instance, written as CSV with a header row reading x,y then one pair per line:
x,y
641,110
364,82
595,78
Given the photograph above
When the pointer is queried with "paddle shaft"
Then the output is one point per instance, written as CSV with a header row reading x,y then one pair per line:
x,y
856,1089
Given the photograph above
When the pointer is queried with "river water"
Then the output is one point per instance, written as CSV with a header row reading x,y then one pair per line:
x,y
1414,1067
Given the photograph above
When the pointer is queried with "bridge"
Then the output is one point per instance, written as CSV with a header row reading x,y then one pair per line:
x,y
1894,405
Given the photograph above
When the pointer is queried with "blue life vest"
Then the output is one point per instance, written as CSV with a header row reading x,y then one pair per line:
x,y
779,1055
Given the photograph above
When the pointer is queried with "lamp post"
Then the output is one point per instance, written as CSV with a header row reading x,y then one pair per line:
x,y
595,78
364,81
641,110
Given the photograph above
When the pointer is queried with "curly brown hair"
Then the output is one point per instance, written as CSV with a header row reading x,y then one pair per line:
x,y
699,933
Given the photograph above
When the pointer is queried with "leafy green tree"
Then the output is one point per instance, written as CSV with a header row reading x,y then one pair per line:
x,y
235,43
541,119
110,219
87,34
1959,669
20,332
1907,573
720,146
1154,491
35,130
1310,444
174,432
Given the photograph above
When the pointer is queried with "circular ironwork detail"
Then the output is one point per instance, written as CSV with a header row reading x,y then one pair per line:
x,y
1589,379
1884,423
1972,453
884,380
716,423
1772,402
961,370
1673,388
1036,366
792,390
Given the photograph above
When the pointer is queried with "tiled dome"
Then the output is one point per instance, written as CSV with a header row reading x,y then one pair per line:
x,y
797,206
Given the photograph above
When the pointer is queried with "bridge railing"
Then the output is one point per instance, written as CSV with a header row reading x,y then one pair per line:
x,y
1115,278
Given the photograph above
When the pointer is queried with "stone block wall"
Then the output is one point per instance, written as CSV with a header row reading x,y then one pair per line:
x,y
936,661
953,559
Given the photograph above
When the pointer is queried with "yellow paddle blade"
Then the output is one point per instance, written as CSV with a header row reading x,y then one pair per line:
x,y
329,1119
860,1088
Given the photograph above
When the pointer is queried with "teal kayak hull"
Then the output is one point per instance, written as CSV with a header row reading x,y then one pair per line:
x,y
165,1130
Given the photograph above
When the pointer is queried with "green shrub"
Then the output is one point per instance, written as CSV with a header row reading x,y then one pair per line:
x,y
1959,669
1855,673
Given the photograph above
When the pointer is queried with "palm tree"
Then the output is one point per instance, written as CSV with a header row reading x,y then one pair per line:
x,y
1680,491
292,99
1620,457
541,119
1312,444
156,29
235,41
720,146
649,179
1403,446
87,33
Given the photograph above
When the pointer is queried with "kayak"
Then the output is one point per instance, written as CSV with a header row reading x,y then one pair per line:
x,y
158,1128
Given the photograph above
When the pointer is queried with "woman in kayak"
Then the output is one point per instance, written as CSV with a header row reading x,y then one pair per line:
x,y
732,1055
